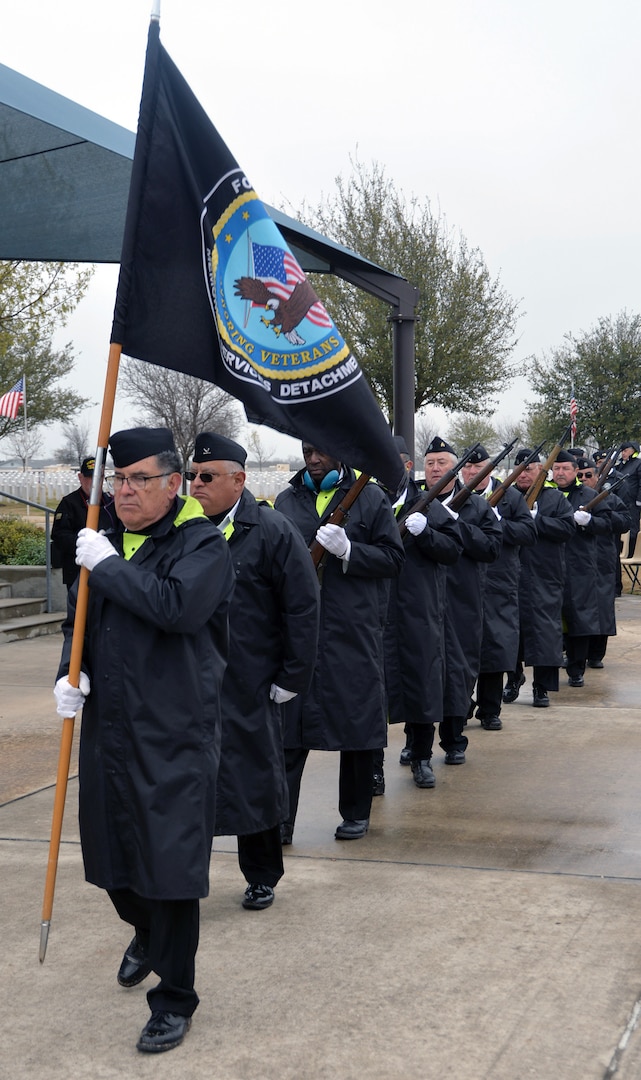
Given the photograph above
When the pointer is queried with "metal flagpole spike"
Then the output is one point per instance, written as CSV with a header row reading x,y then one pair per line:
x,y
44,937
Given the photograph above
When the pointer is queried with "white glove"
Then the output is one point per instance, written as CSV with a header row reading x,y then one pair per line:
x,y
582,517
496,513
416,523
279,695
92,547
334,539
535,509
71,698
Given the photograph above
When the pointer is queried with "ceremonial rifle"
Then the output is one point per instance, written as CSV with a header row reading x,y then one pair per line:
x,y
589,507
338,516
499,492
421,504
535,488
464,493
605,466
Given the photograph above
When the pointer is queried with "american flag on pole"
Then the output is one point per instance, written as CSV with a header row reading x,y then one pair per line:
x,y
573,413
12,400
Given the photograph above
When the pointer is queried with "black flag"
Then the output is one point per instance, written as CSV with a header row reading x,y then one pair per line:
x,y
209,287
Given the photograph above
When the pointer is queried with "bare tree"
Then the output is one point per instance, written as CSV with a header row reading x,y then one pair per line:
x,y
180,402
466,429
25,445
261,453
426,427
76,445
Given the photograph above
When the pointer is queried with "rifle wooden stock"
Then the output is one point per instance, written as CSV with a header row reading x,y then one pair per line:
x,y
589,507
422,504
498,494
463,495
339,515
534,489
605,466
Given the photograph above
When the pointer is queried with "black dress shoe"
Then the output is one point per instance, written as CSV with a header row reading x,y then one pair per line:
x,y
576,680
286,833
595,663
455,757
163,1031
135,966
406,756
491,723
511,691
423,774
258,897
352,830
378,784
540,699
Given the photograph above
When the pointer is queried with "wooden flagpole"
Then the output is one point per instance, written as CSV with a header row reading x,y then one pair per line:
x,y
77,641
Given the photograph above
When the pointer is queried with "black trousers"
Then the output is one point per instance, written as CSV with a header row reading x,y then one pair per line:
x,y
597,647
489,694
260,857
354,782
451,735
168,931
576,649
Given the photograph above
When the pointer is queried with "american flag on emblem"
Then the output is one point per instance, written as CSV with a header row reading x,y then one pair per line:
x,y
573,413
12,400
279,271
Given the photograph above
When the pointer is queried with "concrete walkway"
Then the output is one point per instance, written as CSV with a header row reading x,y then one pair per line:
x,y
485,930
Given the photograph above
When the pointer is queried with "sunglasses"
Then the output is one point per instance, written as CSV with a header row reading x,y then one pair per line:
x,y
206,477
585,475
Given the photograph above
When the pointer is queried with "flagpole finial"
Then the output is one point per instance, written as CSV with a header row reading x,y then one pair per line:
x,y
155,11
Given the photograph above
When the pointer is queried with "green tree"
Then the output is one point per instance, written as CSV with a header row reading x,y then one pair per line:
x,y
467,429
603,365
36,299
465,329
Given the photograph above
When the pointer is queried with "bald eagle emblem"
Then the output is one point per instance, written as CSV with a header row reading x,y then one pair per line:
x,y
287,313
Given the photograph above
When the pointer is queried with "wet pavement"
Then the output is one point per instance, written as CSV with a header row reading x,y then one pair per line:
x,y
488,928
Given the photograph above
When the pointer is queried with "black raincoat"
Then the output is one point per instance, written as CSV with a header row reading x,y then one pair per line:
x,y
155,651
345,708
273,627
542,580
580,596
414,633
481,537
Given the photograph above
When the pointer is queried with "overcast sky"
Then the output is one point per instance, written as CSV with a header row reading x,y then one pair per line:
x,y
517,118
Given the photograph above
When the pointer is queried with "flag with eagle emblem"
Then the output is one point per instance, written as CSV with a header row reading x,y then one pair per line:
x,y
209,287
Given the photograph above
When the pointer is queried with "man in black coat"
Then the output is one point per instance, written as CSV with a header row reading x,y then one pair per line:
x,y
580,596
71,516
608,547
541,586
345,708
152,669
500,641
273,626
414,631
480,534
629,466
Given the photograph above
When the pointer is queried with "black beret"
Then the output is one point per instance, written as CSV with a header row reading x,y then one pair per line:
x,y
601,455
576,451
439,446
586,463
565,455
480,454
88,465
135,444
212,447
400,444
630,445
524,454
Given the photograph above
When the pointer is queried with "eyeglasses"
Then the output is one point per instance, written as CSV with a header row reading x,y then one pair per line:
x,y
137,481
585,475
207,477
